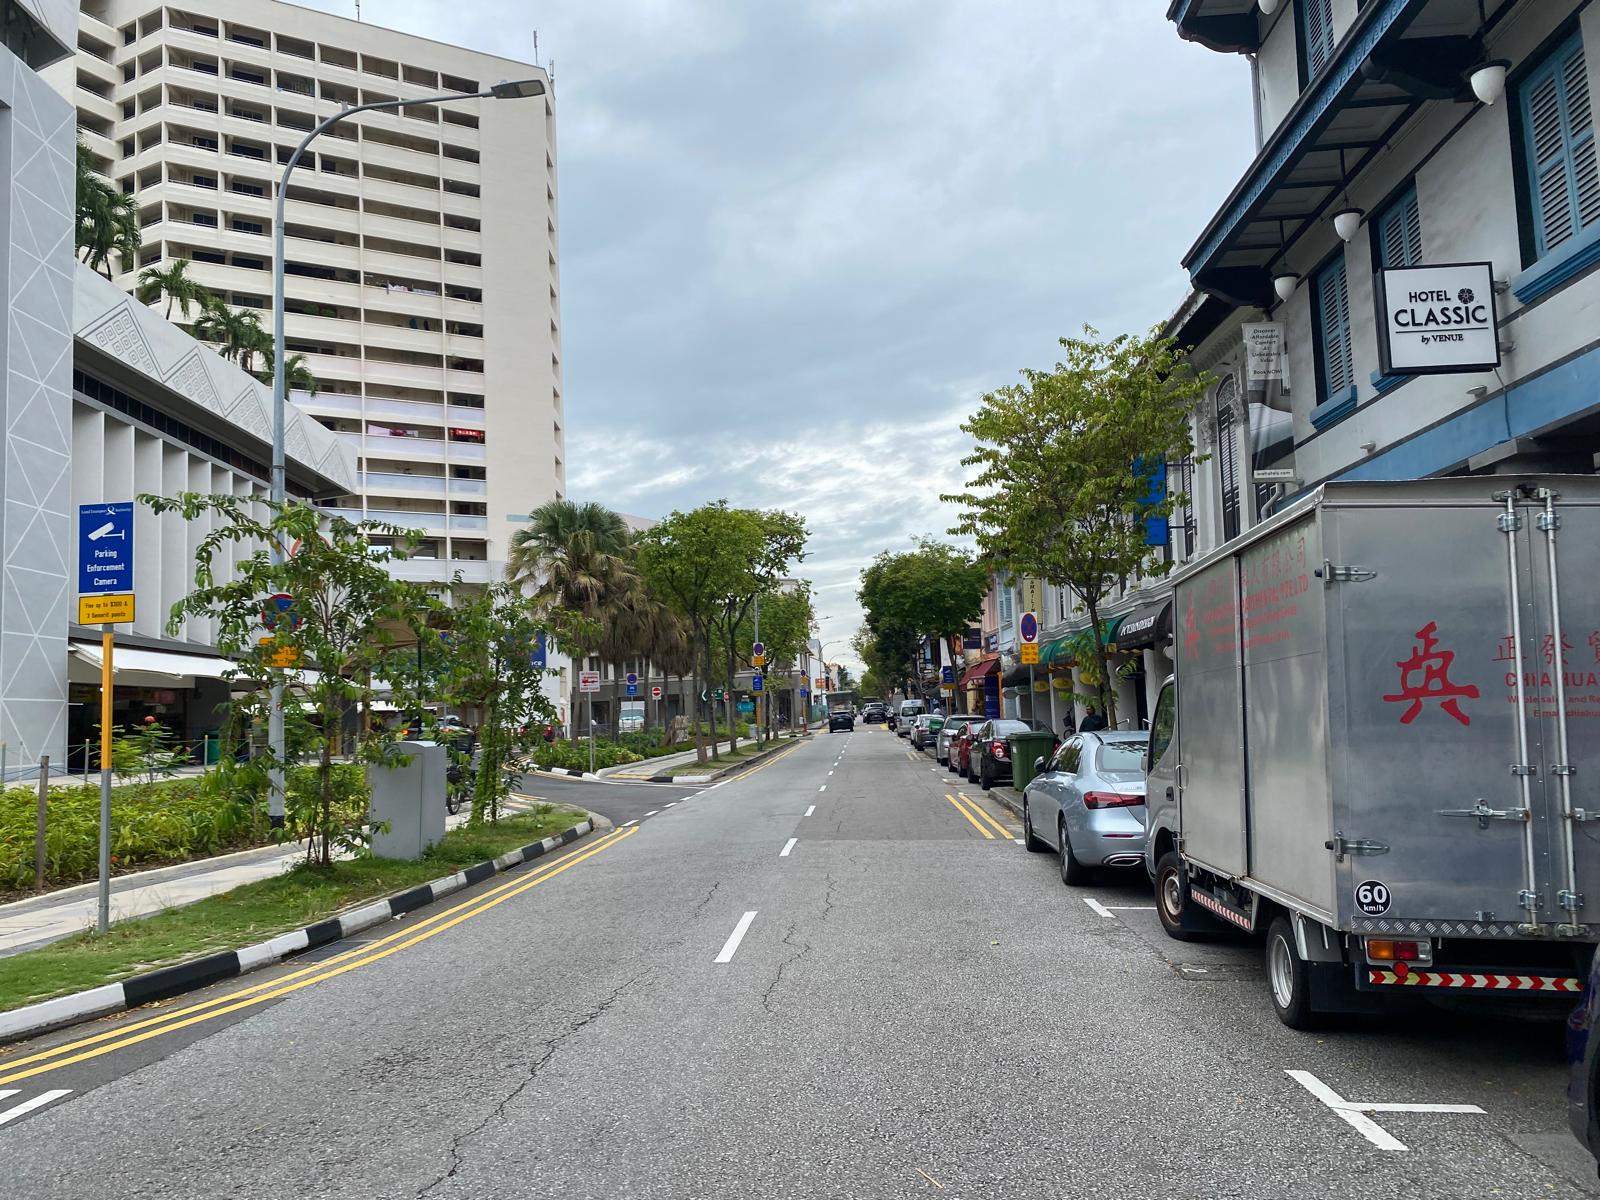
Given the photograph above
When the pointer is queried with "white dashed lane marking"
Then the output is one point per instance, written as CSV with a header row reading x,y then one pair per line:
x,y
730,946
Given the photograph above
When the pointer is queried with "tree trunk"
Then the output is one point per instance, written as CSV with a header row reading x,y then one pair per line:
x,y
1108,694
733,725
325,853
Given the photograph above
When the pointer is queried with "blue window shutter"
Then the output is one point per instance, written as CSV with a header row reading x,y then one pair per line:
x,y
1332,296
1400,232
1316,27
1559,147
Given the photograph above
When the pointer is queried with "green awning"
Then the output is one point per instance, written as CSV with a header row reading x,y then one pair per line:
x,y
1056,653
1062,651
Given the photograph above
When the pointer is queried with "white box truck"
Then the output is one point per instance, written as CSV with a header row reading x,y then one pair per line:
x,y
1381,744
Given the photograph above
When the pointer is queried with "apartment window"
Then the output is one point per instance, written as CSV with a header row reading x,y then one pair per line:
x,y
1397,232
1558,148
1315,28
1330,314
247,226
1005,602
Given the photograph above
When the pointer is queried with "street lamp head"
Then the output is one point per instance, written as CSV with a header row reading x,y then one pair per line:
x,y
519,89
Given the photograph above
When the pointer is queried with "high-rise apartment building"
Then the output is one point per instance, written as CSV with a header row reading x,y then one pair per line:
x,y
421,252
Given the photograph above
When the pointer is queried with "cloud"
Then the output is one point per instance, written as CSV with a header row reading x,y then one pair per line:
x,y
800,240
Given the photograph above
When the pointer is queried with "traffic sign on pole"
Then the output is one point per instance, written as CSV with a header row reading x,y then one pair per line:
x,y
280,606
105,548
633,683
759,650
655,693
588,681
755,682
1028,627
1028,654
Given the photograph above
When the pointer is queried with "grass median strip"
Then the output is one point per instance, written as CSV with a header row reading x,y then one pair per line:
x,y
257,911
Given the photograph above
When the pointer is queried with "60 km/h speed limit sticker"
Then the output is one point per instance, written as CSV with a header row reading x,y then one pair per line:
x,y
1372,898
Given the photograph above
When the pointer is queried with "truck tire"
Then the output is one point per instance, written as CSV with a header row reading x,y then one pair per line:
x,y
1073,872
1029,841
1288,980
1181,917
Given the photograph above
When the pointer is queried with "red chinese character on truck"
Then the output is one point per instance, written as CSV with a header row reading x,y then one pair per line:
x,y
1426,676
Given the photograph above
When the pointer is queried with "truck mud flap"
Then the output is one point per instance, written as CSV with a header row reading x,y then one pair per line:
x,y
1226,910
1385,979
1333,990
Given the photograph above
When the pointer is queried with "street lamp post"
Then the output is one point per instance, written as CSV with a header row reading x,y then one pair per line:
x,y
517,90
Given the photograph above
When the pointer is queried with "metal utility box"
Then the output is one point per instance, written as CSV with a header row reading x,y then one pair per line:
x,y
410,799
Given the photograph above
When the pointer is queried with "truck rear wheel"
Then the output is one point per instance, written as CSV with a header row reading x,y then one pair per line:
x,y
1181,917
1288,980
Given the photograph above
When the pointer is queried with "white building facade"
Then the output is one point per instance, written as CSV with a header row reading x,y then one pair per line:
x,y
421,245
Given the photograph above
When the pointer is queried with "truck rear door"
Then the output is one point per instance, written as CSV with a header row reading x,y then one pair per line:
x,y
1432,607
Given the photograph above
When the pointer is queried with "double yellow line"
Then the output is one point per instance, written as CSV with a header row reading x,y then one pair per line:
x,y
966,810
141,1031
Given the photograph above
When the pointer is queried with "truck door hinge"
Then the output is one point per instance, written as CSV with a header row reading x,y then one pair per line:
x,y
1329,573
1485,814
1341,846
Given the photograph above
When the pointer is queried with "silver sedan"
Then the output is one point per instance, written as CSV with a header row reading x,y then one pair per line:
x,y
953,725
1088,804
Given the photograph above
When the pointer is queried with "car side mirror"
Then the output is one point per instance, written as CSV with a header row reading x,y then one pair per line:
x,y
1038,765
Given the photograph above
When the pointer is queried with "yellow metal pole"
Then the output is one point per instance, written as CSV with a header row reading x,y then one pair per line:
x,y
107,640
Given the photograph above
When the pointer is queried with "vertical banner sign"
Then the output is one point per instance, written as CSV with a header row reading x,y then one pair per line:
x,y
541,653
1156,529
1263,350
105,598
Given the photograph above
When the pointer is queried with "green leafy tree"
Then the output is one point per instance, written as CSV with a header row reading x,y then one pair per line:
x,y
349,608
788,618
107,219
174,283
708,564
934,590
236,332
1057,489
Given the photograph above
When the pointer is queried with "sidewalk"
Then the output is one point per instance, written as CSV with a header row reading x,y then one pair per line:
x,y
40,920
661,770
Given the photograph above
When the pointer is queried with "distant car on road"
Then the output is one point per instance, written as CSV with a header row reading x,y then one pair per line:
x,y
874,714
961,747
841,719
908,712
953,725
1088,804
925,730
989,759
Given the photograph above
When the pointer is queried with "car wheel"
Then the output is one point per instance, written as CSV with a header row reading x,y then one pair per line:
x,y
1181,917
985,777
1073,872
1288,980
1032,843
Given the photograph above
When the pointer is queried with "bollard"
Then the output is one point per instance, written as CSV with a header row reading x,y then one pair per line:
x,y
38,829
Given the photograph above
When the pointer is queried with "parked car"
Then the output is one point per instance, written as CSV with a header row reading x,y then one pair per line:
x,y
953,725
841,718
989,759
907,712
925,730
1088,803
875,714
451,729
961,747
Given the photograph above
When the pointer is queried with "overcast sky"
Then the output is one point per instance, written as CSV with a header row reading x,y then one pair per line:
x,y
799,239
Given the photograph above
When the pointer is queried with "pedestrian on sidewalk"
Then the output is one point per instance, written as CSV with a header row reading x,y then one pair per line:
x,y
1092,720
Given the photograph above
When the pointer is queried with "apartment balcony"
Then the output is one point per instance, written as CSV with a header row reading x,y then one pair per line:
x,y
401,337
220,278
468,453
405,266
398,229
322,291
399,158
103,146
461,206
470,240
344,368
323,216
456,414
405,518
405,375
99,30
464,523
424,305
322,254
442,570
461,345
400,193
431,450
460,170
469,487
330,404
463,275
388,483
321,329
97,106
412,412
99,68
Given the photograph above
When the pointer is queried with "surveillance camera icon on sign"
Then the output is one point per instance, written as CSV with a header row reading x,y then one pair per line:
x,y
108,530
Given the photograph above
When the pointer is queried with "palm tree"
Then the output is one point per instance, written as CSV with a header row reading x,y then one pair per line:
x,y
575,556
107,219
174,283
297,376
236,332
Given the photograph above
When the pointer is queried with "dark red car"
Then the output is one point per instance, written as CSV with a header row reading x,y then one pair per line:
x,y
961,748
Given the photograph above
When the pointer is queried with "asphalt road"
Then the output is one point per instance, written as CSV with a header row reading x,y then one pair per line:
x,y
827,978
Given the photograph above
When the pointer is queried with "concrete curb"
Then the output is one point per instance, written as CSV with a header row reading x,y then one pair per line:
x,y
728,772
201,972
1010,797
561,771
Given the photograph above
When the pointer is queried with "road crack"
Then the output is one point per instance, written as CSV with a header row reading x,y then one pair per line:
x,y
699,908
458,1141
801,949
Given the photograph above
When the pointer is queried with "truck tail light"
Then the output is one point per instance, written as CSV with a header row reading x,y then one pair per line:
x,y
998,749
1390,950
1110,800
